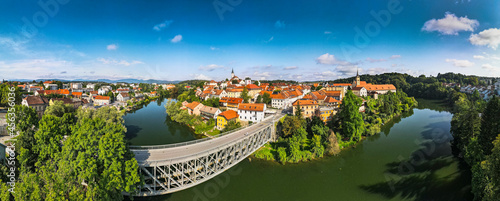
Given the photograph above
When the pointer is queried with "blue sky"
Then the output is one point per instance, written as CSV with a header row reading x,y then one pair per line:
x,y
298,40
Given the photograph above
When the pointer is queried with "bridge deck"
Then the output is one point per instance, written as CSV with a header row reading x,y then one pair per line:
x,y
156,155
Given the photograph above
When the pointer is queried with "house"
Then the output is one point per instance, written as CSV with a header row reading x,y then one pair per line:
x,y
248,80
331,102
280,100
359,91
308,107
251,111
22,87
208,112
76,85
234,92
123,97
102,100
225,117
326,113
223,101
51,86
232,103
36,102
35,88
194,108
102,91
253,90
153,94
77,94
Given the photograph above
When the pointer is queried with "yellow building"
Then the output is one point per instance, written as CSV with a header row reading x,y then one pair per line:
x,y
226,116
326,113
308,107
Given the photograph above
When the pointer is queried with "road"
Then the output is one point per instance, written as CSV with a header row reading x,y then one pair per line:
x,y
152,155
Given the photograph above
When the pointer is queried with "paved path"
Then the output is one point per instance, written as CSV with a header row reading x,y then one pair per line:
x,y
151,155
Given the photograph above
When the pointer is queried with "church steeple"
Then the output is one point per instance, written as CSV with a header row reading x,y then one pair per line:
x,y
232,72
357,81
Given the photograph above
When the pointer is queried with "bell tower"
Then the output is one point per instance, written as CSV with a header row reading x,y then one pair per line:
x,y
232,73
357,81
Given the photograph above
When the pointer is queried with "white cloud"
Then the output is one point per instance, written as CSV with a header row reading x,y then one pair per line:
x,y
375,60
213,48
210,67
395,56
290,68
327,32
489,67
376,71
489,37
326,75
270,39
329,59
16,46
478,57
176,39
450,24
116,62
460,63
349,70
112,47
279,24
162,25
200,77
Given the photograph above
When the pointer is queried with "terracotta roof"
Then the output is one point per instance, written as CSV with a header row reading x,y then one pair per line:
x,y
77,93
378,87
102,98
331,100
341,84
124,94
63,91
333,93
357,88
251,106
223,100
36,100
279,96
64,100
192,105
48,82
305,102
252,87
235,100
123,89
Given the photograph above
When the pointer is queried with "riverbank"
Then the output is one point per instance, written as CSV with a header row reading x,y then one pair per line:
x,y
306,140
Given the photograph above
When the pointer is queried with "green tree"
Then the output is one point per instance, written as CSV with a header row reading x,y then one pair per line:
x,y
282,155
244,95
58,109
291,125
332,147
317,147
491,168
298,111
351,120
490,125
231,125
266,98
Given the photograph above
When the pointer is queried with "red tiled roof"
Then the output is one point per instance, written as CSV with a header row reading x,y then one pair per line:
x,y
252,87
102,98
251,106
77,93
229,114
36,100
235,100
305,102
192,105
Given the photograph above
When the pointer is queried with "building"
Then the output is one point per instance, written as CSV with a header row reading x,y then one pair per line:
x,y
251,111
76,85
280,100
232,103
123,97
36,102
248,81
360,91
208,112
331,102
326,113
225,117
379,88
75,102
102,100
234,92
194,108
308,107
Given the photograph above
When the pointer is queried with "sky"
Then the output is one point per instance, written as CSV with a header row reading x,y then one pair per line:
x,y
264,40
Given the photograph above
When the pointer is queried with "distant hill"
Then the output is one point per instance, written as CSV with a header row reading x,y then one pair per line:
x,y
105,80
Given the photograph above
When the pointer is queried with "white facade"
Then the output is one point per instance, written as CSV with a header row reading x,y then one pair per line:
x,y
102,91
101,102
254,116
281,103
76,85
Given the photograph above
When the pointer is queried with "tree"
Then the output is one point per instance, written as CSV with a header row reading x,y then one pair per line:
x,y
259,99
298,111
317,147
58,109
465,123
26,122
282,155
490,125
245,95
234,82
351,120
7,94
266,98
291,125
491,169
231,125
332,147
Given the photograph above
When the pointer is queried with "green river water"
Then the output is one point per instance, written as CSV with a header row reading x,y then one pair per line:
x,y
409,160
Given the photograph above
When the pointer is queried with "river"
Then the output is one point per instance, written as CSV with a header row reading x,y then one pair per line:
x,y
409,160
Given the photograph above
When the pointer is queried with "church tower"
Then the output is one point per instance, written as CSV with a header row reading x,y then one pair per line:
x,y
356,82
232,73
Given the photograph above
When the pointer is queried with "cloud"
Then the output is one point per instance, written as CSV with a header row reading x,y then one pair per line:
x,y
479,57
64,72
162,25
112,47
395,56
375,60
489,67
290,68
210,67
92,72
349,70
116,62
327,32
329,59
376,71
279,24
176,39
16,46
326,75
460,63
489,37
450,24
270,39
213,48
200,77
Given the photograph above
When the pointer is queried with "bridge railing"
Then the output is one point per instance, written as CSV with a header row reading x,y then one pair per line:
x,y
195,141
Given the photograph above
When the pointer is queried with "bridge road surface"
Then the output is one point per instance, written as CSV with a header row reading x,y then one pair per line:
x,y
156,155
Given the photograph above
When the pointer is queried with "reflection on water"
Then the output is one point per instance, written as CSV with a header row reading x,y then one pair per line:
x,y
150,125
